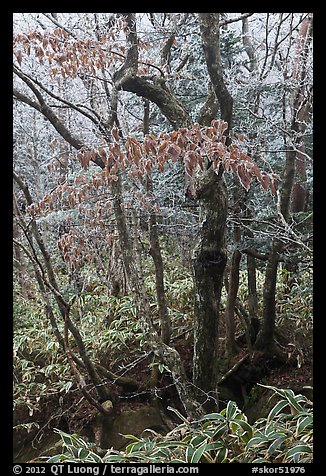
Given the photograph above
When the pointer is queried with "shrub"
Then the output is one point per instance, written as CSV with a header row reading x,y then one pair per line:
x,y
285,436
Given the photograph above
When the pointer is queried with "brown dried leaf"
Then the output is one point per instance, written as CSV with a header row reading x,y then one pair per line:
x,y
265,180
53,143
162,147
19,56
148,166
102,152
174,151
274,183
244,177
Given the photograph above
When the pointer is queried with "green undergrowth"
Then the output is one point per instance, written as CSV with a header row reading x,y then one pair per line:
x,y
113,337
285,436
108,325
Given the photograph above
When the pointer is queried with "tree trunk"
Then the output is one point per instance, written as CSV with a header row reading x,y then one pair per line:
x,y
210,35
19,264
231,303
155,251
116,276
234,275
209,261
301,113
209,256
265,338
252,287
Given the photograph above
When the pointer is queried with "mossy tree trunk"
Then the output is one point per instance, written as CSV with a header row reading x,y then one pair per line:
x,y
252,287
209,261
209,256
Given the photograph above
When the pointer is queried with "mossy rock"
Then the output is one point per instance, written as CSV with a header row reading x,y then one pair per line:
x,y
261,400
259,403
48,446
131,422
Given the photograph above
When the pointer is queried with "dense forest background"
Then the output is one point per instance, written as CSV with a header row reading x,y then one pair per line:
x,y
162,237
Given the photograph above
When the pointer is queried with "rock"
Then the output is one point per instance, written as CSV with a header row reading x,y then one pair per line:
x,y
107,406
132,422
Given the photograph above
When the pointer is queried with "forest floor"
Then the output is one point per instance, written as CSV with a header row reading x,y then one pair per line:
x,y
44,403
76,414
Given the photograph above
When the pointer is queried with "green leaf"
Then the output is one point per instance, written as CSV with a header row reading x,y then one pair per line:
x,y
257,441
171,444
294,401
198,453
243,425
132,437
189,453
289,395
221,455
68,441
220,432
304,423
113,459
134,447
276,409
197,440
231,410
158,453
260,460
94,458
216,445
298,450
83,453
213,416
77,441
57,458
272,449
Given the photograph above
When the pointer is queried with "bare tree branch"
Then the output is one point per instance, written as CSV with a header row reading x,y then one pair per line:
x,y
210,34
233,20
157,91
51,116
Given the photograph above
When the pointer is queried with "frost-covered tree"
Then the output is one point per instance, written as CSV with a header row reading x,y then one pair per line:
x,y
143,113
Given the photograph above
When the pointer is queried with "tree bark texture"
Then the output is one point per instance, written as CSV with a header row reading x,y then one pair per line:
x,y
209,260
252,287
210,35
231,303
155,251
265,338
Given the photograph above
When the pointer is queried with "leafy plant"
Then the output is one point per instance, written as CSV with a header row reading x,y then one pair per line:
x,y
285,436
